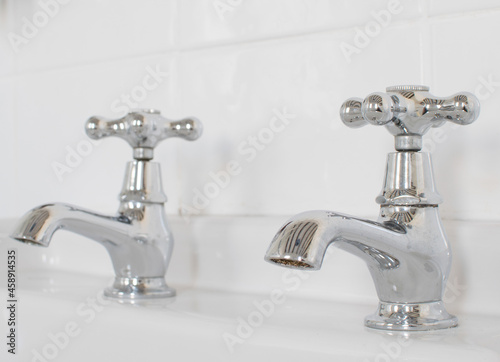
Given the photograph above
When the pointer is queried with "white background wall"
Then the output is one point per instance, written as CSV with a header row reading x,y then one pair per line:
x,y
234,64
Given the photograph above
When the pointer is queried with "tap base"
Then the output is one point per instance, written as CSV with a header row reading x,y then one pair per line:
x,y
133,289
411,317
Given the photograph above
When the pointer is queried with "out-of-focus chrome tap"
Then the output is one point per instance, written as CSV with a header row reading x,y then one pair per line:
x,y
406,250
137,239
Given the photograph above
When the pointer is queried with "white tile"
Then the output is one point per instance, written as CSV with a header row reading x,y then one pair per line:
x,y
76,32
9,180
443,7
315,162
209,21
51,113
7,58
474,256
465,157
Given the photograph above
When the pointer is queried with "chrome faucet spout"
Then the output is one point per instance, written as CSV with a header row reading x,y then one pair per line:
x,y
403,265
38,225
134,254
303,240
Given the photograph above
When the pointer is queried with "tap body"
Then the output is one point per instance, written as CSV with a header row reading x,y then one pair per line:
x,y
137,239
406,249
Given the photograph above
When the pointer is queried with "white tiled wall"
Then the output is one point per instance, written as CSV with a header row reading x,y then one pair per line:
x,y
235,64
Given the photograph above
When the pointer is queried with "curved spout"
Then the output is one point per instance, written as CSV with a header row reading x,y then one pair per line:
x,y
39,224
408,262
138,243
303,240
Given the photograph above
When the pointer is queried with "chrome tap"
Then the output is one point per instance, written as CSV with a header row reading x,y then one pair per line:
x,y
137,239
406,250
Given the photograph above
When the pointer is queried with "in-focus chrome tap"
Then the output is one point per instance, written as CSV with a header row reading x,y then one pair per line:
x,y
406,250
137,239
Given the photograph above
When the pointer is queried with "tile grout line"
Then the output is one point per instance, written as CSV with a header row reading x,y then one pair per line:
x,y
175,50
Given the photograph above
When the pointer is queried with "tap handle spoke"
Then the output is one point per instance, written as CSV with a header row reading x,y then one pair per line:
x,y
350,113
408,112
143,130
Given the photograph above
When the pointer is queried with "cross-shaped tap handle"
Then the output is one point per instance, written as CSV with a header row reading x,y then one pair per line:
x,y
143,130
408,112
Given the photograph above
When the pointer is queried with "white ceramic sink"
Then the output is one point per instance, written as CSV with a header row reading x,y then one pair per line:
x,y
224,287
